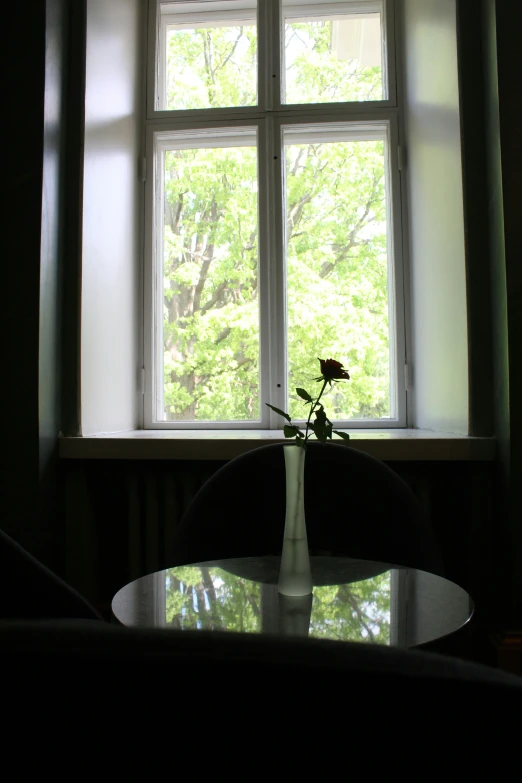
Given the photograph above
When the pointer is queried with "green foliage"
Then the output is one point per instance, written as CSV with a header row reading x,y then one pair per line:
x,y
337,272
337,246
293,432
314,74
212,67
197,598
368,618
211,315
212,598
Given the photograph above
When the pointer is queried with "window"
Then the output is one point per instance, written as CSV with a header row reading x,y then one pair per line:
x,y
273,212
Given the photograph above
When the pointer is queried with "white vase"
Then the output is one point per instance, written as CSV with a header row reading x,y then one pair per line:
x,y
295,577
295,612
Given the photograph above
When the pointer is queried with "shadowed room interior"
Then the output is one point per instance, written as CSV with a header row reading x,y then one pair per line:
x,y
99,523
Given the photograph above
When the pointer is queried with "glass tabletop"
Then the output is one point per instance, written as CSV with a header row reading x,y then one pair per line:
x,y
352,600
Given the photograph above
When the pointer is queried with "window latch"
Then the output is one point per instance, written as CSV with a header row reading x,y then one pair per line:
x,y
408,380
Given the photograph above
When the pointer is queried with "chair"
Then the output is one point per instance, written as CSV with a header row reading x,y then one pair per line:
x,y
355,506
29,590
209,695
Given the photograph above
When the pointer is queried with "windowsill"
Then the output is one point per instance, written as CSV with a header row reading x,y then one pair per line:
x,y
396,444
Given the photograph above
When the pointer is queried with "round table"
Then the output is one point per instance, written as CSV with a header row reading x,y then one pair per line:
x,y
352,600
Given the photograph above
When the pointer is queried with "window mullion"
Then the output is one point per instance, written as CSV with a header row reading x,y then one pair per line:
x,y
159,208
264,55
277,286
396,275
161,65
265,243
275,63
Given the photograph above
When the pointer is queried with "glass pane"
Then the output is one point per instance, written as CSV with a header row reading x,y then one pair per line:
x,y
208,57
210,284
332,58
337,268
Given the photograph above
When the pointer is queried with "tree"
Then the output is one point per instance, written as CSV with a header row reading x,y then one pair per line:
x,y
337,245
211,598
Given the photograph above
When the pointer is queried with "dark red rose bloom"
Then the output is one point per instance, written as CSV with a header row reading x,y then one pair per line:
x,y
332,370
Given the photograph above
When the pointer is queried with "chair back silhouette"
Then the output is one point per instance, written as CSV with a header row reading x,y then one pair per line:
x,y
355,506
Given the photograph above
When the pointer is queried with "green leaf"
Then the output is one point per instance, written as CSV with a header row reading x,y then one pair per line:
x,y
281,413
290,432
304,395
343,435
321,427
320,417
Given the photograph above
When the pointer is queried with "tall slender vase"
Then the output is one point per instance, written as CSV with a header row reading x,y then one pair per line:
x,y
295,577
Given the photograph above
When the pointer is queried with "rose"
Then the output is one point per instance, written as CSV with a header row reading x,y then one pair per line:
x,y
331,370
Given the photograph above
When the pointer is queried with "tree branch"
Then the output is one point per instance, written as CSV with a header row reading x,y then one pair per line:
x,y
207,45
295,213
329,266
355,606
241,363
216,296
234,47
205,266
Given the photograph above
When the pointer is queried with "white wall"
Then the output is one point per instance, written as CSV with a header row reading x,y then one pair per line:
x,y
436,224
110,271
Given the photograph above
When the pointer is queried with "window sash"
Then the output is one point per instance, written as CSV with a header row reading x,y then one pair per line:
x,y
306,10
202,138
397,346
270,37
157,139
272,293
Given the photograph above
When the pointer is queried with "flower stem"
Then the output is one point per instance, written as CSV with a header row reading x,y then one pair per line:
x,y
313,408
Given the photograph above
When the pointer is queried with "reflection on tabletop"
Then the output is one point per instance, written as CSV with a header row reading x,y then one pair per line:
x,y
211,598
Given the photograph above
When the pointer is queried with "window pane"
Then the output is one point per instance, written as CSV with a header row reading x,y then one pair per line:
x,y
208,57
332,58
210,283
337,267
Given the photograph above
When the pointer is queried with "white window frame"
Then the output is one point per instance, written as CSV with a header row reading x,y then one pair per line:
x,y
270,117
